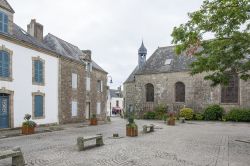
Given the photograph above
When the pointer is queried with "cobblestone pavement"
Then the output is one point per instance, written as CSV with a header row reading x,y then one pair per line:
x,y
190,144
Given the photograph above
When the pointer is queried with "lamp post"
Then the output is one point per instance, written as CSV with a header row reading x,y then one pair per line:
x,y
111,81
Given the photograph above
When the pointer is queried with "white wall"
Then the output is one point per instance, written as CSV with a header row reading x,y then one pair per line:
x,y
113,103
22,83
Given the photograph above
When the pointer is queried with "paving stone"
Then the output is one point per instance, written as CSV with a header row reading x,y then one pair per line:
x,y
189,144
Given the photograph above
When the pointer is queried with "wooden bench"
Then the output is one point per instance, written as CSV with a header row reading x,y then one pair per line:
x,y
16,154
81,140
146,127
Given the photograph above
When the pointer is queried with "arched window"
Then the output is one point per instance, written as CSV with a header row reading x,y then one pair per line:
x,y
4,64
179,92
149,92
230,93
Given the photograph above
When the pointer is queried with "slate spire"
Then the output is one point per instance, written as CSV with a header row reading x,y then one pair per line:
x,y
142,53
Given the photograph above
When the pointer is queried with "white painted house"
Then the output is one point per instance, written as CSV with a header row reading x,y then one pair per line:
x,y
28,73
114,102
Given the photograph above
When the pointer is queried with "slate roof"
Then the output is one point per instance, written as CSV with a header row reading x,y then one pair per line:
x,y
4,4
142,49
66,49
115,93
22,35
157,63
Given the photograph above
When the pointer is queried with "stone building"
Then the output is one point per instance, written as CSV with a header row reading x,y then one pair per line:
x,y
164,79
48,78
82,83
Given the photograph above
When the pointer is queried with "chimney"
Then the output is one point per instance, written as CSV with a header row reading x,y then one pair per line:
x,y
87,54
35,29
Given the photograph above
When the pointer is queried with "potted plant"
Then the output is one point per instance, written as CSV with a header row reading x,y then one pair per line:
x,y
131,127
93,120
28,126
171,119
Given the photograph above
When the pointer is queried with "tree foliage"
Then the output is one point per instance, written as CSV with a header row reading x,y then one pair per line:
x,y
228,53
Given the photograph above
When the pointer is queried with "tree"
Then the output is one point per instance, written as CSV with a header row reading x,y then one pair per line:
x,y
228,53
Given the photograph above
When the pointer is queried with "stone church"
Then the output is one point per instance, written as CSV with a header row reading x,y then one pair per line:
x,y
164,79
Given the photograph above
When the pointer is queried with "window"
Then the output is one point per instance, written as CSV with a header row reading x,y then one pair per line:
x,y
98,108
88,84
88,67
3,23
74,108
4,64
179,92
99,86
230,93
74,80
117,103
38,67
38,106
149,93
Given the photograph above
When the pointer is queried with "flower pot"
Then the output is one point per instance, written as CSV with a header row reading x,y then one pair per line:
x,y
28,130
93,121
171,122
131,131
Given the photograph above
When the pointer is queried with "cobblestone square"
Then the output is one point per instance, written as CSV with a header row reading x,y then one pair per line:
x,y
191,144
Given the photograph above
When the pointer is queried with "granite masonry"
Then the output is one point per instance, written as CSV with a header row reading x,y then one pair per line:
x,y
171,85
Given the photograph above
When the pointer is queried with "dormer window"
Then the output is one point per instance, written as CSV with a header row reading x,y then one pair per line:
x,y
3,23
88,67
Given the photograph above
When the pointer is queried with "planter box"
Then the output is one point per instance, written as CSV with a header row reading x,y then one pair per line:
x,y
171,122
93,121
28,130
131,131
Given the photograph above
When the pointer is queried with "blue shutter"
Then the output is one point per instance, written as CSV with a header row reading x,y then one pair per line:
x,y
1,22
38,106
40,71
4,64
5,24
36,70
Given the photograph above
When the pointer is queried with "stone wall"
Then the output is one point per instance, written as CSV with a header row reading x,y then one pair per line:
x,y
68,94
81,95
198,92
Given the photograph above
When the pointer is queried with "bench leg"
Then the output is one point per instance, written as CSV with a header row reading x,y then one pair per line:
x,y
18,161
80,143
99,141
151,128
144,129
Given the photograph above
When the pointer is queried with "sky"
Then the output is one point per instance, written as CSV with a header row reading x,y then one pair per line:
x,y
112,29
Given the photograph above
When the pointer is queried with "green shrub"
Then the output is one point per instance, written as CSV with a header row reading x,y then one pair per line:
x,y
160,111
198,116
149,115
187,113
213,112
238,115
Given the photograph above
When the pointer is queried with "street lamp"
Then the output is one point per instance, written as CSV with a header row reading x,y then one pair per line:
x,y
110,95
111,81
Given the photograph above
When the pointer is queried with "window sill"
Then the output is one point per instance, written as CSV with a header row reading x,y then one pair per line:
x,y
9,79
37,118
39,84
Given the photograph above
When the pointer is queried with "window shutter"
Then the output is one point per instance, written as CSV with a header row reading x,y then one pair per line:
x,y
36,66
1,22
101,86
74,81
88,84
5,25
74,108
6,64
98,108
40,72
38,106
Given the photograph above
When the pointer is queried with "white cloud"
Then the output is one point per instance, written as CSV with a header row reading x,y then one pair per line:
x,y
112,29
